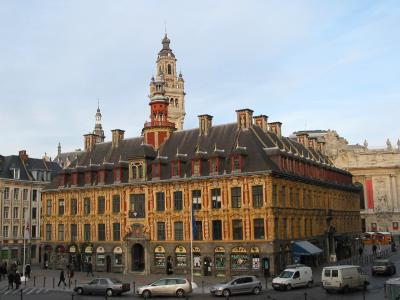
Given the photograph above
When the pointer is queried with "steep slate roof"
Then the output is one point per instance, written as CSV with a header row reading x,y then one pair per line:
x,y
14,161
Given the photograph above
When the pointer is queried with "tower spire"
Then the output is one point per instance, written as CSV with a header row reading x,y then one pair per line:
x,y
98,128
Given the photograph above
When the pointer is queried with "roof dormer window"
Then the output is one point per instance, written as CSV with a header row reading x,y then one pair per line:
x,y
236,163
15,172
214,165
196,167
176,168
137,170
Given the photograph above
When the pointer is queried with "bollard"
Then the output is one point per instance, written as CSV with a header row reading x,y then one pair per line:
x,y
75,282
266,282
134,287
202,286
227,297
69,282
364,294
72,296
34,280
106,296
186,297
305,296
44,282
384,290
54,282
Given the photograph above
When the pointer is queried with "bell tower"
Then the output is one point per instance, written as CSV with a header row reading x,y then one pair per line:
x,y
159,128
98,128
173,84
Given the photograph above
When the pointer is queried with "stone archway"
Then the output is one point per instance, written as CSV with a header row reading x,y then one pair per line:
x,y
137,258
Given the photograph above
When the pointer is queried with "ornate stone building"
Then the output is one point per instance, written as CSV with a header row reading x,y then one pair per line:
x,y
376,170
242,192
21,181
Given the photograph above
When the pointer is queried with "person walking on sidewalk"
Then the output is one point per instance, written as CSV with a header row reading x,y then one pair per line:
x,y
17,280
360,251
62,279
10,280
28,271
374,249
90,269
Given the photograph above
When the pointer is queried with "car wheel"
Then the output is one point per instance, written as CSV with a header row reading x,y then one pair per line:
x,y
79,291
288,287
180,293
309,284
256,290
226,293
146,294
109,292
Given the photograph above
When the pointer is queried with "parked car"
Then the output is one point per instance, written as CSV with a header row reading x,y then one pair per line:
x,y
237,285
343,278
293,277
166,287
104,286
383,266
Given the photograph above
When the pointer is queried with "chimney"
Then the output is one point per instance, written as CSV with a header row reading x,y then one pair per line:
x,y
117,136
276,127
205,123
312,143
90,140
23,156
244,118
321,146
262,122
302,138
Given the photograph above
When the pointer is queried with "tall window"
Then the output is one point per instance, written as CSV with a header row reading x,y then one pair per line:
x,y
48,232
116,204
74,207
74,232
178,231
196,199
169,69
160,231
137,171
236,197
6,212
274,195
101,229
137,206
160,201
15,213
284,228
175,168
86,232
16,193
61,207
217,230
60,232
101,205
116,231
196,167
34,195
25,194
15,231
33,231
237,228
34,213
6,193
86,206
178,200
236,163
259,233
199,231
48,207
214,165
276,226
283,196
257,192
5,231
216,198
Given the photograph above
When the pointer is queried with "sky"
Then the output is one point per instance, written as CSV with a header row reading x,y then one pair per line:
x,y
308,64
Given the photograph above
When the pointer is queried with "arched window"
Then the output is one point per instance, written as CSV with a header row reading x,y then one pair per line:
x,y
176,102
169,69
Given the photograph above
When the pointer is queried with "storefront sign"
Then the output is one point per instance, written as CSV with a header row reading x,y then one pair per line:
x,y
239,250
254,250
180,249
196,250
89,249
118,250
159,249
72,249
219,250
100,250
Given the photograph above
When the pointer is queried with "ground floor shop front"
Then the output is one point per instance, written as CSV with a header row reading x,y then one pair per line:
x,y
15,252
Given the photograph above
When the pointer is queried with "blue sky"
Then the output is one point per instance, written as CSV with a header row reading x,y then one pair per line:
x,y
309,64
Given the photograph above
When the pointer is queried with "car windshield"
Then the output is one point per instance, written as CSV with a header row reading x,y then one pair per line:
x,y
286,274
380,263
115,281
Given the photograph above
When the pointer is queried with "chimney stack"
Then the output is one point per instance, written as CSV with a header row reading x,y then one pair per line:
x,y
302,138
321,146
262,122
276,127
244,118
90,140
205,124
23,156
312,143
117,136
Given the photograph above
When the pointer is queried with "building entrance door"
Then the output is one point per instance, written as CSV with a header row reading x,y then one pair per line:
x,y
137,255
108,263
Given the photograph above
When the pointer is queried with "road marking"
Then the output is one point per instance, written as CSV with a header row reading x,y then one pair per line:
x,y
3,290
39,290
30,291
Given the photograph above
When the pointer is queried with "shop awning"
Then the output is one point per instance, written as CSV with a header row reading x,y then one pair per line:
x,y
305,248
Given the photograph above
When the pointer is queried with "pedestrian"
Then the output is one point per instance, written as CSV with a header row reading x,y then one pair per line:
x,y
10,280
374,249
89,269
17,280
4,270
28,271
62,279
1,271
360,251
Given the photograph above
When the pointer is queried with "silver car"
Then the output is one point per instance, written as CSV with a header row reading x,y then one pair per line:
x,y
166,287
238,285
104,286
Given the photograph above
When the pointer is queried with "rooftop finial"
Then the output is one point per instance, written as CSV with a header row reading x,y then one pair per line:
x,y
165,27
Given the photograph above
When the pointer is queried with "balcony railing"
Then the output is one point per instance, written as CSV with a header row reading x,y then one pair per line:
x,y
136,214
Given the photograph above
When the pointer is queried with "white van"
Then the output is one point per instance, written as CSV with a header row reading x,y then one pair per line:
x,y
292,277
343,278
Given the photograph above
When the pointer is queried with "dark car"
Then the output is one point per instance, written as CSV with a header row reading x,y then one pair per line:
x,y
103,286
383,266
